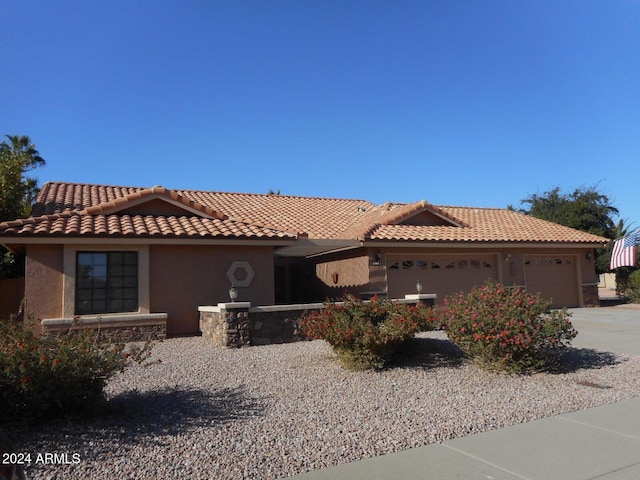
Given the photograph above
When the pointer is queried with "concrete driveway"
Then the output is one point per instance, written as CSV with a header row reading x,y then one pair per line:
x,y
609,329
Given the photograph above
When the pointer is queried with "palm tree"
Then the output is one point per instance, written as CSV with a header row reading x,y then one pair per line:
x,y
20,145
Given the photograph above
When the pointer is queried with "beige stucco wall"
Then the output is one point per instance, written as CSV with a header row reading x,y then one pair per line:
x,y
358,273
185,277
43,283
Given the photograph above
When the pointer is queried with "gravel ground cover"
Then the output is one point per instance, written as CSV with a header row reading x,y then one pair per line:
x,y
204,412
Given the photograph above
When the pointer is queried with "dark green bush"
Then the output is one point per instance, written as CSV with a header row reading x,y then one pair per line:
x,y
506,328
633,286
44,376
365,334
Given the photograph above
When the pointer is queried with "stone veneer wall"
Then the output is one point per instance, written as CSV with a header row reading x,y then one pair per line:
x,y
267,327
130,330
229,328
590,296
240,325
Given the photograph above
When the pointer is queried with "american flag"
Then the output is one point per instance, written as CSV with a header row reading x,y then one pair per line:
x,y
624,250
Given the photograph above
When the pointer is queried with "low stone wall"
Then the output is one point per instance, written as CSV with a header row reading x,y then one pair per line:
x,y
269,326
124,328
240,325
226,327
235,325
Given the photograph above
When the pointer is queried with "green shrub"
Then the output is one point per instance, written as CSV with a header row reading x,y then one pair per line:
x,y
634,285
42,376
506,328
366,334
634,279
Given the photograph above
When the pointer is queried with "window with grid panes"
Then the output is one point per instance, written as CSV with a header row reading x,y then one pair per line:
x,y
106,282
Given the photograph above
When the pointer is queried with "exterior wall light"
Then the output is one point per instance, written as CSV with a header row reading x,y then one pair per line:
x,y
419,287
233,293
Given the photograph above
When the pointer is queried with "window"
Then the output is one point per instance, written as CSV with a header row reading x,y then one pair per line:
x,y
107,282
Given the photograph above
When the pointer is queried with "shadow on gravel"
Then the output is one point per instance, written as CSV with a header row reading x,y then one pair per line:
x,y
138,417
574,359
427,353
439,353
170,411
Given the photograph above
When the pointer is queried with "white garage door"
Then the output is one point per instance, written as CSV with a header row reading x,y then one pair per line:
x,y
439,274
554,277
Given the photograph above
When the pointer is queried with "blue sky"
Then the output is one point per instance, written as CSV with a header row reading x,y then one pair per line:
x,y
454,102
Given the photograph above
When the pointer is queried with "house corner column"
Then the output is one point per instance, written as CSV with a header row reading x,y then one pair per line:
x,y
226,324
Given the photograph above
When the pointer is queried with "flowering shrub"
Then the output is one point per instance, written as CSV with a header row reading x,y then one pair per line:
x,y
506,328
52,375
366,334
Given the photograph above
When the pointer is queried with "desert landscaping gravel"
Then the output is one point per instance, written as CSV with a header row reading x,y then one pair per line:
x,y
205,412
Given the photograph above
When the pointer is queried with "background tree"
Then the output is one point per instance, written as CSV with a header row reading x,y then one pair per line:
x,y
584,209
17,191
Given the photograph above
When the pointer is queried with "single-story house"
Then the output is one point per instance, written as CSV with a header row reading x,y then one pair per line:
x,y
112,250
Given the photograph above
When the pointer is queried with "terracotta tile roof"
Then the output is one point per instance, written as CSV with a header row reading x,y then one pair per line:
x,y
101,210
80,224
309,216
487,225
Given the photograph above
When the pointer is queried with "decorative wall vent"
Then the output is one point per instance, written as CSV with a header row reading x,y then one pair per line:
x,y
240,274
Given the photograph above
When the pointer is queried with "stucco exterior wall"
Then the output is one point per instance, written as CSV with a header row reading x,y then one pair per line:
x,y
357,271
344,272
43,283
184,277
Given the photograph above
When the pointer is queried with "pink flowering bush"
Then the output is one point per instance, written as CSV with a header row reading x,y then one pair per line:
x,y
506,328
366,334
42,376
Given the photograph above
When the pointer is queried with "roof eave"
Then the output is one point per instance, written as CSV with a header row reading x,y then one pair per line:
x,y
18,241
478,244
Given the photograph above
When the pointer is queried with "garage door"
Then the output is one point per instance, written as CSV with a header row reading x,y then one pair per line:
x,y
439,274
554,277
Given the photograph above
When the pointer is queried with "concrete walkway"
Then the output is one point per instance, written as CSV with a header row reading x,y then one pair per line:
x,y
598,443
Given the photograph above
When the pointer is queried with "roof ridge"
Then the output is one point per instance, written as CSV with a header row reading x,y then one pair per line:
x,y
475,208
84,184
253,194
